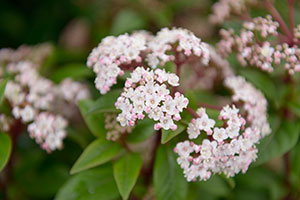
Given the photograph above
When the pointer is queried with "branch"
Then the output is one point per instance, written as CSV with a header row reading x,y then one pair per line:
x,y
291,15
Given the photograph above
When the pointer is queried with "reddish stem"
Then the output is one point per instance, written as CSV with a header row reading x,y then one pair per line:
x,y
15,130
192,112
148,170
291,15
210,106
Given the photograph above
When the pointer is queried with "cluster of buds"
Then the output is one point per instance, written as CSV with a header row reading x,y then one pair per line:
x,y
223,9
146,92
247,45
231,148
125,52
253,46
113,127
34,100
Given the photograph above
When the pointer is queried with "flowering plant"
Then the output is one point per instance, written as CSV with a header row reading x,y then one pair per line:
x,y
169,112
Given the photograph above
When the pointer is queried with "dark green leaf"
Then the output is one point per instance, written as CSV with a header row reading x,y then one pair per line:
x,y
2,90
98,152
93,184
126,172
75,71
167,135
95,122
127,20
5,149
43,175
279,142
105,103
142,131
169,183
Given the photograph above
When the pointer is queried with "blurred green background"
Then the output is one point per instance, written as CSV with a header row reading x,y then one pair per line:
x,y
74,27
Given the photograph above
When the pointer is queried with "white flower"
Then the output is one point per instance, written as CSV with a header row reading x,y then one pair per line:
x,y
27,114
184,149
205,123
220,134
173,80
193,131
167,123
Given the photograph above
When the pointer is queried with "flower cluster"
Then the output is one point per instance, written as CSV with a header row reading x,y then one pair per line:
x,y
113,52
34,99
231,148
254,103
146,92
125,52
188,43
72,91
261,54
113,127
35,54
48,130
223,9
259,51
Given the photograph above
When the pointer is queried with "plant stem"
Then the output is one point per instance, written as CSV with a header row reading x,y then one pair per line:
x,y
124,144
15,130
291,15
192,112
148,172
279,19
210,106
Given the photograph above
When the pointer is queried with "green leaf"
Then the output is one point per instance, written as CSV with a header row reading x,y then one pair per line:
x,y
98,152
74,70
5,149
169,183
95,122
126,172
262,81
294,107
93,184
2,90
105,103
279,142
127,20
215,186
142,131
167,135
295,166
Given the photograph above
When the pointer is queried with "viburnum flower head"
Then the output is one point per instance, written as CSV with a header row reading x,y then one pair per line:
x,y
48,130
224,152
146,93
